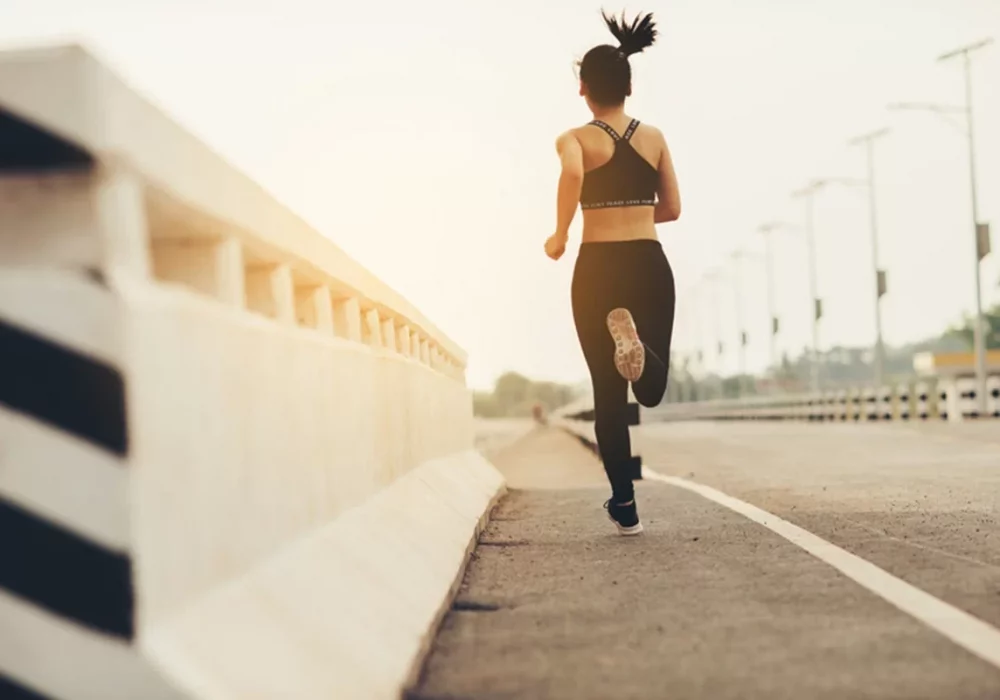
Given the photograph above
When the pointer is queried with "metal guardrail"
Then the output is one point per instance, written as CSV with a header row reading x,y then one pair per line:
x,y
943,399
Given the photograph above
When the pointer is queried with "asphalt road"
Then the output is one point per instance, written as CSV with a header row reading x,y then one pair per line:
x,y
921,502
709,604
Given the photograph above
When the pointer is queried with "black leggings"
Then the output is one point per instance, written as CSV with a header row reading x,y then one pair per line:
x,y
634,275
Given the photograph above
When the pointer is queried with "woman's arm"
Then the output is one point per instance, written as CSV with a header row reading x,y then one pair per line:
x,y
570,181
668,196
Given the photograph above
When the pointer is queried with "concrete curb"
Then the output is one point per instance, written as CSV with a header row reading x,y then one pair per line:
x,y
350,611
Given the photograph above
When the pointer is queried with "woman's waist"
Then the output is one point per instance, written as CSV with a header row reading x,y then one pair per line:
x,y
613,225
636,259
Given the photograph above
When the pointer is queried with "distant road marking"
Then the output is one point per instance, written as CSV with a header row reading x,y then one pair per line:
x,y
970,633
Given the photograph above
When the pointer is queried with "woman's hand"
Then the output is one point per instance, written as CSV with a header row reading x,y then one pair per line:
x,y
555,246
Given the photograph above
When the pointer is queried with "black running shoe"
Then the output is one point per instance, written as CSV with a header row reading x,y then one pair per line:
x,y
625,518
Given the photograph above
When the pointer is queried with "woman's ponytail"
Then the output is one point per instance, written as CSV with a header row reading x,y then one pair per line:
x,y
632,38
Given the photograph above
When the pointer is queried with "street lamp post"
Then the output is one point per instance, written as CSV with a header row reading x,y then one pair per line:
x,y
711,277
767,230
982,242
700,356
868,140
808,192
980,230
688,321
737,256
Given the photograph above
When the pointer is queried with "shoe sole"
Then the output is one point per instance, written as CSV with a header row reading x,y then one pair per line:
x,y
626,531
630,353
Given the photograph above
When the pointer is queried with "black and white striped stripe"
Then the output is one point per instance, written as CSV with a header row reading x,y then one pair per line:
x,y
24,147
12,690
62,405
64,389
56,658
67,608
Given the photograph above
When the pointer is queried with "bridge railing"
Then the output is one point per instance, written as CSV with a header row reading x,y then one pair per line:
x,y
192,378
950,398
944,398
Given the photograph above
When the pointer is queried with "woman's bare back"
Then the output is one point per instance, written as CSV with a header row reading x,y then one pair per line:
x,y
628,223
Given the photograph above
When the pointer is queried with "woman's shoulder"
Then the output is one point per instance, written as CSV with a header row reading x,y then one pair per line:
x,y
566,139
651,139
574,132
647,128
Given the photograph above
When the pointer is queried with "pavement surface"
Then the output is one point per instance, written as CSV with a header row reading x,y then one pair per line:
x,y
708,604
493,436
921,502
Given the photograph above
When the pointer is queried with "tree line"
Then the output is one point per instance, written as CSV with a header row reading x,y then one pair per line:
x,y
516,396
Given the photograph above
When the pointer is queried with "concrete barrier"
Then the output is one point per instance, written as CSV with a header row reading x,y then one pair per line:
x,y
922,399
902,404
235,464
993,397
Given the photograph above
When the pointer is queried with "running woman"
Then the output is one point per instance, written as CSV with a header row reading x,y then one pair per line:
x,y
620,173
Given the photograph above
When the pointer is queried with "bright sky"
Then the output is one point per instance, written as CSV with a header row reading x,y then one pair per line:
x,y
419,137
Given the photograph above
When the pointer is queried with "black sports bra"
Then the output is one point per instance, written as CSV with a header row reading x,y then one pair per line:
x,y
627,180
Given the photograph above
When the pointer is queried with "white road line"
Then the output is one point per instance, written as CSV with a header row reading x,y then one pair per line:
x,y
963,629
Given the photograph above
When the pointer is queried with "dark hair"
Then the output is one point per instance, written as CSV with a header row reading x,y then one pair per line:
x,y
605,69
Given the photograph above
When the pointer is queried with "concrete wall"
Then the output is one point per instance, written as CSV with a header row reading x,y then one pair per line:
x,y
193,385
268,432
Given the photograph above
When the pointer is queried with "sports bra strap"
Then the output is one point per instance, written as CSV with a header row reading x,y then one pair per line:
x,y
631,129
611,132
